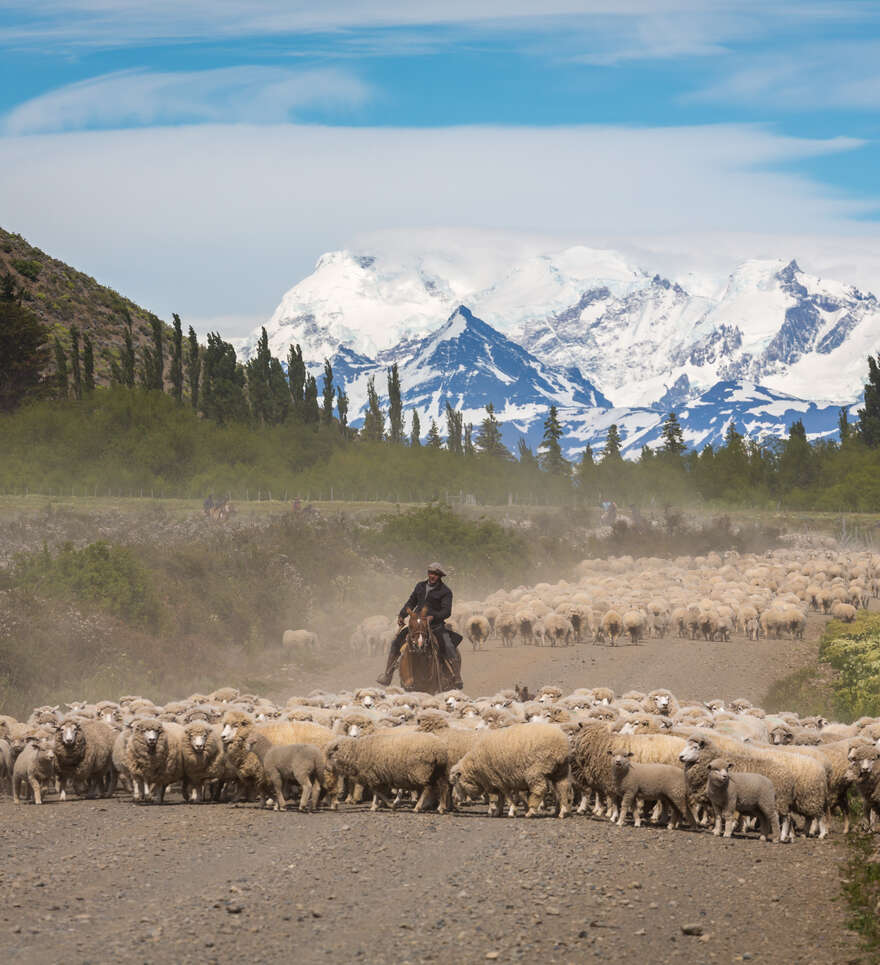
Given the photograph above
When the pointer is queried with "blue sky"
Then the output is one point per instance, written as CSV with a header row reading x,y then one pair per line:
x,y
172,149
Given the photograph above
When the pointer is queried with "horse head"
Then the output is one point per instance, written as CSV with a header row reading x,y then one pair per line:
x,y
419,630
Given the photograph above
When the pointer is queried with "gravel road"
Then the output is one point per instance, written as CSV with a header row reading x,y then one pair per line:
x,y
87,881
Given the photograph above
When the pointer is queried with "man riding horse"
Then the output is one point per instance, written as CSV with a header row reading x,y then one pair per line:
x,y
434,594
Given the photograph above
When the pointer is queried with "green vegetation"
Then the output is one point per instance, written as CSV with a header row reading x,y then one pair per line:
x,y
860,884
853,650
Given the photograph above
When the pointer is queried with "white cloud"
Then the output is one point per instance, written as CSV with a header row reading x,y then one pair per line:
x,y
220,220
230,94
808,78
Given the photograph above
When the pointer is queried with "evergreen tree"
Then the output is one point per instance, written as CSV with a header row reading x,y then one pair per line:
x,y
796,464
62,389
329,393
550,451
434,440
296,376
311,412
374,418
611,452
395,406
672,435
488,439
646,455
843,425
869,416
416,432
222,391
193,367
7,288
75,368
342,409
469,449
586,474
176,372
24,354
525,455
88,365
453,430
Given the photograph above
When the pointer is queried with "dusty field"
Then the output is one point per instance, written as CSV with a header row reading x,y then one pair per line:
x,y
110,881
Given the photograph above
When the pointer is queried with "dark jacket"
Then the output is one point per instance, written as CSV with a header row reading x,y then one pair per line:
x,y
437,598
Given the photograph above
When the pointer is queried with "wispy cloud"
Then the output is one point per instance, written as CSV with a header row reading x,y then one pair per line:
x,y
835,74
178,217
231,94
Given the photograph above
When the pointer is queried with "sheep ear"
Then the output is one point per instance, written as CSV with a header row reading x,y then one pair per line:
x,y
629,754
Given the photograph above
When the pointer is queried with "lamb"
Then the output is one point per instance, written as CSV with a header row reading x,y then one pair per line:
x,y
522,758
154,757
634,782
299,638
800,783
34,767
404,760
84,755
751,795
477,629
286,763
202,752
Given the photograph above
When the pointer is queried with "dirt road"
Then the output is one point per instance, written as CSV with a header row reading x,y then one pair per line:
x,y
110,881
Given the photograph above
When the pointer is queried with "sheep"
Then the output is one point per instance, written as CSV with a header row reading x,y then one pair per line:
x,y
800,783
612,625
634,624
525,621
507,626
522,758
751,795
202,751
663,783
660,702
154,757
286,763
299,638
84,755
6,764
864,772
557,629
477,630
844,612
34,767
408,761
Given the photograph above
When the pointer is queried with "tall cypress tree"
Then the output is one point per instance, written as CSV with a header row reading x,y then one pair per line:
x,y
488,439
844,426
176,370
395,406
88,365
311,413
153,374
296,376
550,451
62,388
342,409
329,392
127,360
453,430
869,416
374,418
257,371
193,367
75,368
279,392
415,433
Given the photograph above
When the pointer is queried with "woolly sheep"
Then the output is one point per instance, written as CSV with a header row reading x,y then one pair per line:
x,y
865,774
634,623
526,620
557,629
154,757
477,630
661,702
663,783
523,758
202,751
751,795
385,761
286,763
612,625
83,755
507,627
34,768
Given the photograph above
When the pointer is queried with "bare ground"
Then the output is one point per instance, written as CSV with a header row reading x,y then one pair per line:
x,y
91,881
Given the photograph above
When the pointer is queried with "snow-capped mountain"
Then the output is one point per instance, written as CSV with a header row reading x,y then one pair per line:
x,y
468,364
642,339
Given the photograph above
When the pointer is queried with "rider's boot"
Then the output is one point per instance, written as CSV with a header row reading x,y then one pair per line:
x,y
386,676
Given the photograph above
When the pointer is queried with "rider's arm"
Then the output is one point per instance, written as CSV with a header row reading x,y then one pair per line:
x,y
411,603
444,603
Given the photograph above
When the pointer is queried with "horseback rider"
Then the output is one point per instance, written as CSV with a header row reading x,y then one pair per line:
x,y
437,597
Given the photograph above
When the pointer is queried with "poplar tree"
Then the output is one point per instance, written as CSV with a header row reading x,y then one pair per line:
x,y
374,418
415,433
453,430
222,394
329,392
24,354
176,371
296,376
74,362
154,362
62,387
869,416
469,449
342,409
88,365
434,440
311,413
193,367
257,371
844,426
395,406
124,373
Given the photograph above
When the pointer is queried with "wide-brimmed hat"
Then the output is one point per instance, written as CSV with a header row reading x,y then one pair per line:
x,y
436,568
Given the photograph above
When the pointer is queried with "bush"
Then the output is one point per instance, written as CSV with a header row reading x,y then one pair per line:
x,y
853,650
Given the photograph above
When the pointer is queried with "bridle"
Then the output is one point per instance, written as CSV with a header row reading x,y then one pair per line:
x,y
419,632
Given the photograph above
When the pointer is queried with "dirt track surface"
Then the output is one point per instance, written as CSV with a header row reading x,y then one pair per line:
x,y
87,881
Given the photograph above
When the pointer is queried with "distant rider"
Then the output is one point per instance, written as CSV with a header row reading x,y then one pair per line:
x,y
437,596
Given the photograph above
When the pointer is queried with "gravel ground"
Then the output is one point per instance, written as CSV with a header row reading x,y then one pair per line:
x,y
89,881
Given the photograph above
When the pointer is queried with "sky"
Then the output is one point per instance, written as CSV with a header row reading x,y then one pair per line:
x,y
200,156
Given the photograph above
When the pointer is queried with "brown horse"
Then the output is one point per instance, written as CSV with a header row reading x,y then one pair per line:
x,y
421,666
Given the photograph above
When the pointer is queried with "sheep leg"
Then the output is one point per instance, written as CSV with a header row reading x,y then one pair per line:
x,y
423,799
716,830
787,833
625,806
729,823
37,789
441,786
563,795
537,792
306,796
657,813
62,788
494,806
379,797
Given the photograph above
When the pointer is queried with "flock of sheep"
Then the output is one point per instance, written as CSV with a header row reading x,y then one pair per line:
x,y
707,597
694,763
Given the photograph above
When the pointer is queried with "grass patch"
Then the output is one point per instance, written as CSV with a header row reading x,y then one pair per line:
x,y
860,885
808,692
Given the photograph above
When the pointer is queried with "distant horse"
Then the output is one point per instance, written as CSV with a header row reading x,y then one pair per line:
x,y
421,666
